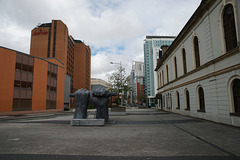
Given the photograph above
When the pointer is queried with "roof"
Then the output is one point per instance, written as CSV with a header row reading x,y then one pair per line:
x,y
150,37
197,15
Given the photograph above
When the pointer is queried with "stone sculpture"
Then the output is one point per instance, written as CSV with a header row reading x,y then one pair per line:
x,y
82,101
100,98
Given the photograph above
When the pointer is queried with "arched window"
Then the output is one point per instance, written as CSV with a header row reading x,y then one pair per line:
x,y
236,95
229,28
162,78
163,101
187,99
170,101
196,51
175,66
184,61
167,101
167,73
178,100
201,100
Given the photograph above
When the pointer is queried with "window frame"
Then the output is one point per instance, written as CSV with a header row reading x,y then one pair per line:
x,y
231,96
196,51
187,100
201,99
231,32
177,100
184,61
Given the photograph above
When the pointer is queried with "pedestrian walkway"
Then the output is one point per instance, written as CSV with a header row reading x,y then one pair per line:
x,y
143,134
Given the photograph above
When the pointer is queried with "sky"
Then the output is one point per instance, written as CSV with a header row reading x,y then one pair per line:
x,y
114,29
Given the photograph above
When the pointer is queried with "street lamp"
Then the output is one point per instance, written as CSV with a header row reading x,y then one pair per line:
x,y
120,64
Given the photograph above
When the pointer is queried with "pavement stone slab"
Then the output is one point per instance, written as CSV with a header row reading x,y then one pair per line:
x,y
141,134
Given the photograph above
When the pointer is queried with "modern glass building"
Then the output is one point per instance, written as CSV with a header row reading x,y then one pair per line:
x,y
152,46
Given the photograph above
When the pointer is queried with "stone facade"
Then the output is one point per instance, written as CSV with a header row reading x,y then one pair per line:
x,y
196,74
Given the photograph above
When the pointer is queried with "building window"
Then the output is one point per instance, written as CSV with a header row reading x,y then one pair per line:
x,y
184,61
187,99
196,51
175,66
162,78
229,28
178,100
163,102
170,101
23,81
51,86
167,73
201,100
236,95
167,101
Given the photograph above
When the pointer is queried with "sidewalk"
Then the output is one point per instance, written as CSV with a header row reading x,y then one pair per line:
x,y
142,134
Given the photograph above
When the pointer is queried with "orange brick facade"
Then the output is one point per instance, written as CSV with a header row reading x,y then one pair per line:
x,y
25,82
51,40
82,66
35,82
7,65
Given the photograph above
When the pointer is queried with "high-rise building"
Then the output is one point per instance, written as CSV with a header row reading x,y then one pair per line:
x,y
137,71
82,66
51,40
140,89
152,47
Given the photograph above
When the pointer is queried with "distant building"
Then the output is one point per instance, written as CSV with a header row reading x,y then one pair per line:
x,y
51,40
29,83
99,83
140,89
199,74
152,47
137,70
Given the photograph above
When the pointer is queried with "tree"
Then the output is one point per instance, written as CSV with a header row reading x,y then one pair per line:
x,y
118,82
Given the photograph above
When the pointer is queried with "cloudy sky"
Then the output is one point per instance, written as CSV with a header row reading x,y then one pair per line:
x,y
114,29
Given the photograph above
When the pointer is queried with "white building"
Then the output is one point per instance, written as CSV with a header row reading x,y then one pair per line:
x,y
199,74
99,83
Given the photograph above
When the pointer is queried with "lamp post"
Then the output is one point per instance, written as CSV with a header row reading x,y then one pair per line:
x,y
120,65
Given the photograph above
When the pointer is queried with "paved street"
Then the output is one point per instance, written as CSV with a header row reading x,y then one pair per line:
x,y
144,134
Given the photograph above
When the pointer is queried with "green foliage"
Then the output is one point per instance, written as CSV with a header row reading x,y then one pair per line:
x,y
118,82
66,109
91,107
118,101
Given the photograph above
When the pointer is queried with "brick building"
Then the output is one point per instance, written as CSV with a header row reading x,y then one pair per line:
x,y
51,40
30,83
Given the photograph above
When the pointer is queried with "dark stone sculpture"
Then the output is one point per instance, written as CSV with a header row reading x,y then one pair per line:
x,y
82,101
100,98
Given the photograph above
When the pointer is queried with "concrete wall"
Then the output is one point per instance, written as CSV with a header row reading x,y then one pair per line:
x,y
67,89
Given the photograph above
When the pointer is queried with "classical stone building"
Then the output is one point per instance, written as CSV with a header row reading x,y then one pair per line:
x,y
199,74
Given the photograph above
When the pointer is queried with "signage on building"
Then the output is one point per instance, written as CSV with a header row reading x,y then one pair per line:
x,y
40,32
